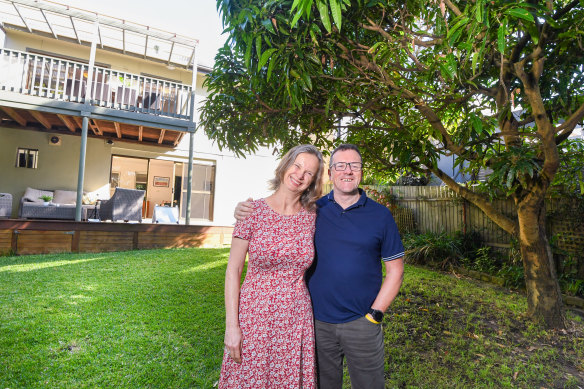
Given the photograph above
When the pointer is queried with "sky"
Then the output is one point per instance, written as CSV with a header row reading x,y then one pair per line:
x,y
193,18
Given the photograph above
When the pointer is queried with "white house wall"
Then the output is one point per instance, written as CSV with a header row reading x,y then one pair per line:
x,y
57,165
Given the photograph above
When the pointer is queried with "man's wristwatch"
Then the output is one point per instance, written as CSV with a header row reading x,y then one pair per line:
x,y
376,314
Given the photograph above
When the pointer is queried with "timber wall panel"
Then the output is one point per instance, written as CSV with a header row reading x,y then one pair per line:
x,y
148,240
5,242
102,241
53,236
43,242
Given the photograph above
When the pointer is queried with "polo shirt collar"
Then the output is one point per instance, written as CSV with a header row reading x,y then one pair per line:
x,y
359,203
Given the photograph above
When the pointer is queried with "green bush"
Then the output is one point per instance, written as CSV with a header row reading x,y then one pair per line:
x,y
435,250
443,251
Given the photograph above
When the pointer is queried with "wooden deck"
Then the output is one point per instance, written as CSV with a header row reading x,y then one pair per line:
x,y
22,237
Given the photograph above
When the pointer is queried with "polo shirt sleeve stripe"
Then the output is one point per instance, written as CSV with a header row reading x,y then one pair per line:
x,y
395,256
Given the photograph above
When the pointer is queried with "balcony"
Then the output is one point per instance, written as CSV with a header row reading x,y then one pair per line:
x,y
54,78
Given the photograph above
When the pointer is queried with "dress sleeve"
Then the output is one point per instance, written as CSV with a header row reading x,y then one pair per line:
x,y
243,228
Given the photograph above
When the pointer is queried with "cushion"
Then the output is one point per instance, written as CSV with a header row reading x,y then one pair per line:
x,y
89,198
33,195
65,197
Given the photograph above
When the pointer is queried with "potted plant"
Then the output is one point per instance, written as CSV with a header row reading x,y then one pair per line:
x,y
46,199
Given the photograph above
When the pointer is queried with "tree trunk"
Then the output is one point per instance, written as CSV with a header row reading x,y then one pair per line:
x,y
544,298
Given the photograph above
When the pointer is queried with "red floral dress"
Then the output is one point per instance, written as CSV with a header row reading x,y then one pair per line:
x,y
275,312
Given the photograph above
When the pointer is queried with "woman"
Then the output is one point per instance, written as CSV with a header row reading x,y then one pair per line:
x,y
269,333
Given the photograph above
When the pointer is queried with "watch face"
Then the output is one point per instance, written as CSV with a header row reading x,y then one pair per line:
x,y
377,315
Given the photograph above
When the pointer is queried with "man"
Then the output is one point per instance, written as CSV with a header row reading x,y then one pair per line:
x,y
348,292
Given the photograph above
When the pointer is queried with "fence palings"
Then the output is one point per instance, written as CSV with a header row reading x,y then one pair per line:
x,y
438,209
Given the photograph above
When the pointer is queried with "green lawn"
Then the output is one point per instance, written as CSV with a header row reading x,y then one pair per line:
x,y
155,319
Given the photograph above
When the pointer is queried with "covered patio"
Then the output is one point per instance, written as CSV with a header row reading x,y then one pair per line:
x,y
59,95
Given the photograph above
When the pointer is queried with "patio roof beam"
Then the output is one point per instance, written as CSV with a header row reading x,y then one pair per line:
x,y
118,130
124,41
99,37
170,54
75,30
68,123
41,119
95,128
179,136
146,45
161,137
78,121
140,129
22,18
49,24
14,116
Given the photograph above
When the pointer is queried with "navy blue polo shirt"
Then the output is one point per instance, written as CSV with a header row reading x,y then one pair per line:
x,y
350,243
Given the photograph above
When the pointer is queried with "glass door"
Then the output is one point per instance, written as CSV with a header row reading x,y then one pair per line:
x,y
202,191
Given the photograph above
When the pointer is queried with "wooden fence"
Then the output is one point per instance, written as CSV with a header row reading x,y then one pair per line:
x,y
438,209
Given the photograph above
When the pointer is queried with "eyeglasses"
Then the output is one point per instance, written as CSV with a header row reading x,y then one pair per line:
x,y
354,166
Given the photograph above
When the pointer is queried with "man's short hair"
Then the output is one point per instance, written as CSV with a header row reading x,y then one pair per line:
x,y
343,147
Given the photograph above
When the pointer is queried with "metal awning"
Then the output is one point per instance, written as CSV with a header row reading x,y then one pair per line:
x,y
64,22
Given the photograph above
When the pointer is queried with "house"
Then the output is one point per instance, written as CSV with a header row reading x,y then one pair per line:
x,y
95,102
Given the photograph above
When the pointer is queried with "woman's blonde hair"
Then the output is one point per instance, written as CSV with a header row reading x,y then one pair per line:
x,y
314,191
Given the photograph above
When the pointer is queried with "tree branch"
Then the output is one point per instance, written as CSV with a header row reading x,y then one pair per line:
x,y
506,223
568,126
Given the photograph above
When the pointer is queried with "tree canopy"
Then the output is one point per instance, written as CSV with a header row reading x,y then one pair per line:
x,y
495,84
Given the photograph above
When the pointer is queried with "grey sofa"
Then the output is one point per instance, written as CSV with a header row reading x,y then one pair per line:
x,y
125,204
62,207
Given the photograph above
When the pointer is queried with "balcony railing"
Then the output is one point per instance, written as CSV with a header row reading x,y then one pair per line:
x,y
59,79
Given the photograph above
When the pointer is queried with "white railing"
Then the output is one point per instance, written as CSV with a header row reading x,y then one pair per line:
x,y
59,79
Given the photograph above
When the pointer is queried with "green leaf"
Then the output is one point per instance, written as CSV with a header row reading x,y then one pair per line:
x,y
465,46
454,37
374,47
461,23
477,124
313,37
501,34
533,32
475,57
521,13
265,57
479,10
324,15
294,5
530,170
511,177
271,66
296,18
307,80
336,12
449,69
267,23
258,45
247,56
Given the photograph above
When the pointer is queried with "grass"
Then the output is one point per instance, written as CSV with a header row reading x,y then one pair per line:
x,y
129,319
155,319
